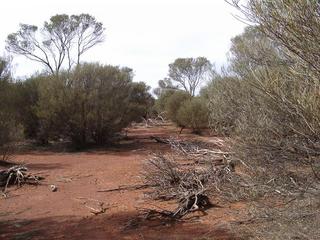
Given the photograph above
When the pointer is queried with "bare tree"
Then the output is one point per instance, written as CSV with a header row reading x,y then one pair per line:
x,y
189,73
61,42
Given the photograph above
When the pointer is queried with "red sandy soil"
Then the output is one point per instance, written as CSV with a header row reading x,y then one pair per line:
x,y
34,212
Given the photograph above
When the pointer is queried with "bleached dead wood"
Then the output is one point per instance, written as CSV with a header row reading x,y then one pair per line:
x,y
17,175
187,147
171,178
95,206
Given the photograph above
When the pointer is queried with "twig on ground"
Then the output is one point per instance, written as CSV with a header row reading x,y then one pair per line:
x,y
126,188
99,209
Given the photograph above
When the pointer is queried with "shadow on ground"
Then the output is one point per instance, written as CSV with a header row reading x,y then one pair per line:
x,y
108,227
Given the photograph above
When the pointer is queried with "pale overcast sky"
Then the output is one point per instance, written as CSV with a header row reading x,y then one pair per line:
x,y
145,35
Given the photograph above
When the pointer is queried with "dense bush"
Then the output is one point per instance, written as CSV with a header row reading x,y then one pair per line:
x,y
90,104
277,107
183,109
239,91
271,102
227,97
185,77
193,114
161,101
27,96
174,102
7,114
10,129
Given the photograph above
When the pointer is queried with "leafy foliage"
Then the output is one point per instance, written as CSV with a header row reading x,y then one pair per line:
x,y
173,104
190,73
193,114
183,109
10,130
91,104
27,97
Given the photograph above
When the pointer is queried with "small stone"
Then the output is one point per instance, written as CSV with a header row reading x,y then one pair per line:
x,y
53,188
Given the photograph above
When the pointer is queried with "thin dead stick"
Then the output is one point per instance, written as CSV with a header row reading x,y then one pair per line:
x,y
97,211
126,188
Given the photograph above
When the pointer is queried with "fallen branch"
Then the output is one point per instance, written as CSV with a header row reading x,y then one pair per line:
x,y
160,140
17,175
189,148
99,207
126,188
197,202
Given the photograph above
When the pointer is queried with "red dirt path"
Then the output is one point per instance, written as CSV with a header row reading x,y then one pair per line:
x,y
34,212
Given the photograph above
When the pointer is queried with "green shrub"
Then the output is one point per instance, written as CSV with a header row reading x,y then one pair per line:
x,y
193,114
26,103
10,129
227,98
91,103
173,104
7,113
161,102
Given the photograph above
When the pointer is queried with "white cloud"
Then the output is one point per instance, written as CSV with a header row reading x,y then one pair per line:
x,y
145,35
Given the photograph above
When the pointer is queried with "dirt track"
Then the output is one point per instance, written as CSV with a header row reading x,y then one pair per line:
x,y
37,213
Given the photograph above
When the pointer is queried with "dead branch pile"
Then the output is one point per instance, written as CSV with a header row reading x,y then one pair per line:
x,y
190,184
17,175
158,120
196,151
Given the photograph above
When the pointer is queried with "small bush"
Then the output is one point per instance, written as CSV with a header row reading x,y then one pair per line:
x,y
161,102
183,109
193,114
173,104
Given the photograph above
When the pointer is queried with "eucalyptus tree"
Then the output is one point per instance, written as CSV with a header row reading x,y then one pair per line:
x,y
190,73
60,43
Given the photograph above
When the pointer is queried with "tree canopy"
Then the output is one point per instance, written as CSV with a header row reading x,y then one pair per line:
x,y
189,73
59,43
90,104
